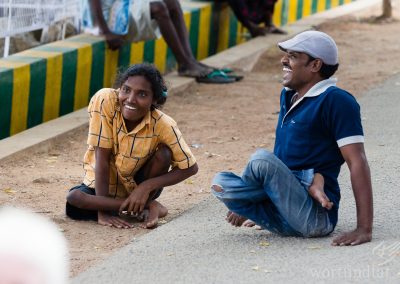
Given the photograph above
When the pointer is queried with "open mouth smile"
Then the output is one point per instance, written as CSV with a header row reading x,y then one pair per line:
x,y
129,107
286,69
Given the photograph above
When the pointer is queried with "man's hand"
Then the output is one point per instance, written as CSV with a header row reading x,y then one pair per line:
x,y
106,219
136,201
353,238
114,41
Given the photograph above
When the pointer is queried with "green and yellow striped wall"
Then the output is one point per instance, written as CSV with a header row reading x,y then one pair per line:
x,y
49,81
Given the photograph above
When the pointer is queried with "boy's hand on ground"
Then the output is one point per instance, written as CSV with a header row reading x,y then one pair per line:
x,y
353,238
106,219
136,201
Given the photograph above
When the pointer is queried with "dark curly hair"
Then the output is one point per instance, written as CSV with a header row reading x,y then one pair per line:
x,y
150,72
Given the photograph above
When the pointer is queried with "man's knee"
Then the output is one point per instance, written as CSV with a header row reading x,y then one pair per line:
x,y
172,5
262,154
158,9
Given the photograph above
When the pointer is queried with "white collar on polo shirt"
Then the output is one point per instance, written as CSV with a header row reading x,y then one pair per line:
x,y
315,90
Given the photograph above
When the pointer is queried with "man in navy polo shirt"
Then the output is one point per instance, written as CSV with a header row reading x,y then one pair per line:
x,y
319,128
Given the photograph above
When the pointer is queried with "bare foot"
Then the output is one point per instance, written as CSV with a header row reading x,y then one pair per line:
x,y
256,30
234,219
249,223
317,192
156,210
194,69
275,30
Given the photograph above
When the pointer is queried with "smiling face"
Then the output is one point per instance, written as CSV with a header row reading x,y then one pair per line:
x,y
135,100
298,71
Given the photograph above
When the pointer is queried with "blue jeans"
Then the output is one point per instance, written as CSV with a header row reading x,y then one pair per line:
x,y
274,197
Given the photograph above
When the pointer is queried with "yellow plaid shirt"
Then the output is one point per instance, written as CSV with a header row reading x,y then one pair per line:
x,y
130,150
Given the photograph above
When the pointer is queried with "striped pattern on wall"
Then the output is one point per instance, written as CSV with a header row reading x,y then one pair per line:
x,y
49,81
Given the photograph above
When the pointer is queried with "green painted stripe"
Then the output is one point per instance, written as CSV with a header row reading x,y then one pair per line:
x,y
314,6
194,30
214,28
149,51
37,92
96,80
124,56
6,91
232,29
37,87
328,4
68,82
299,13
284,15
341,2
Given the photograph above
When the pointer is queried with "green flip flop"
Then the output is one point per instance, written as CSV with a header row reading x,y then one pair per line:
x,y
216,77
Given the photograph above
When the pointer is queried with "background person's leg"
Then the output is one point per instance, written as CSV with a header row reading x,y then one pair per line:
x,y
176,14
187,65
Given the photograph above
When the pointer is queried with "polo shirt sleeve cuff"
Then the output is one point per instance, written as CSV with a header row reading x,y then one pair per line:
x,y
96,141
350,140
185,164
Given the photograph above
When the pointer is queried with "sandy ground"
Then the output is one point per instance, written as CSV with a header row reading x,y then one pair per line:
x,y
224,125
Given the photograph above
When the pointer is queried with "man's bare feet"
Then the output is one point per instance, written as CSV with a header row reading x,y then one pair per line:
x,y
156,210
256,30
194,69
234,219
316,190
275,30
249,223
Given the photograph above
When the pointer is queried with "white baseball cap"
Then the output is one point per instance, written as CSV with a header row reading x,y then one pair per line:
x,y
314,43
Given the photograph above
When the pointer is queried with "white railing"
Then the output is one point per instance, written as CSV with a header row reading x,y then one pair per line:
x,y
20,16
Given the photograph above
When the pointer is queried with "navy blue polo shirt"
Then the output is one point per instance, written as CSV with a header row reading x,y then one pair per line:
x,y
310,132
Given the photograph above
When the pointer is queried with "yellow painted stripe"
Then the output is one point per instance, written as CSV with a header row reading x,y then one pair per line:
x,y
54,60
160,54
187,16
110,67
240,32
276,18
20,99
292,12
334,3
321,5
347,1
204,32
307,7
51,107
223,37
83,73
137,52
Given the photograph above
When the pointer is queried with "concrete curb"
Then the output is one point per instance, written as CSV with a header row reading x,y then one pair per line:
x,y
43,136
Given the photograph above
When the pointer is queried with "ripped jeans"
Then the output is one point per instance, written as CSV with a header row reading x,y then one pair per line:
x,y
274,197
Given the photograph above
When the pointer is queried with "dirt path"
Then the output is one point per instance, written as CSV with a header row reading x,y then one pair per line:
x,y
223,124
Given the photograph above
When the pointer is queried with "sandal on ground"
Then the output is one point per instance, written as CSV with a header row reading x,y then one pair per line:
x,y
215,77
